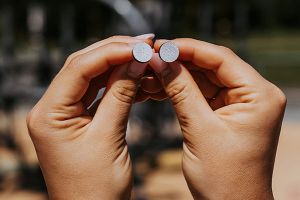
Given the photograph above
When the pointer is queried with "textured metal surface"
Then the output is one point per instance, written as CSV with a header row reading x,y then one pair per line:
x,y
169,52
142,52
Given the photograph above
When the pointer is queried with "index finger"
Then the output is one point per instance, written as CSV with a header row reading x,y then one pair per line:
x,y
71,84
231,70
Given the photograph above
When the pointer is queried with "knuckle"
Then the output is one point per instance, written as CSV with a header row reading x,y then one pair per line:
x,y
115,44
225,50
279,97
178,92
29,119
116,37
71,57
32,119
114,47
124,93
76,66
75,62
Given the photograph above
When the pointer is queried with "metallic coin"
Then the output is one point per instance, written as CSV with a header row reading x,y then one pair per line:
x,y
169,52
142,52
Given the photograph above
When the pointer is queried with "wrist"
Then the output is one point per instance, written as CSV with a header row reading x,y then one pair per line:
x,y
86,193
91,188
234,193
230,183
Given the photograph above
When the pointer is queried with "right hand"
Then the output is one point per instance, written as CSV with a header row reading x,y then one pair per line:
x,y
230,117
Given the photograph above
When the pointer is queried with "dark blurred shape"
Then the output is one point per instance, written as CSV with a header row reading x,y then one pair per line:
x,y
67,28
205,18
7,50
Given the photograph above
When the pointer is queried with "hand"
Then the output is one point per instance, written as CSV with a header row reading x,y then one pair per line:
x,y
84,155
230,117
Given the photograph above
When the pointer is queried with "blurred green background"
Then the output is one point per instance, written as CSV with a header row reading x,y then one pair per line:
x,y
37,36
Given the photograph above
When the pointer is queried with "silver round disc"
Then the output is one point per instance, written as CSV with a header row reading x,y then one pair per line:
x,y
169,52
142,52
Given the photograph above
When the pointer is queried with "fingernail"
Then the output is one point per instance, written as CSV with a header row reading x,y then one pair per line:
x,y
145,36
136,69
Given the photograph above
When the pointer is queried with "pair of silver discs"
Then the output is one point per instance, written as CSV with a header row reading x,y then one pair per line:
x,y
168,52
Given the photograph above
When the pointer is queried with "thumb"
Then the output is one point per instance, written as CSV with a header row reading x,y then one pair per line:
x,y
184,93
113,111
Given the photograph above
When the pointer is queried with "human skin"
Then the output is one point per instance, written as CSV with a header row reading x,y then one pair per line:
x,y
230,117
229,141
84,155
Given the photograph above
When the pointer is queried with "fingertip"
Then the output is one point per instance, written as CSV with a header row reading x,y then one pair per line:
x,y
158,44
157,64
